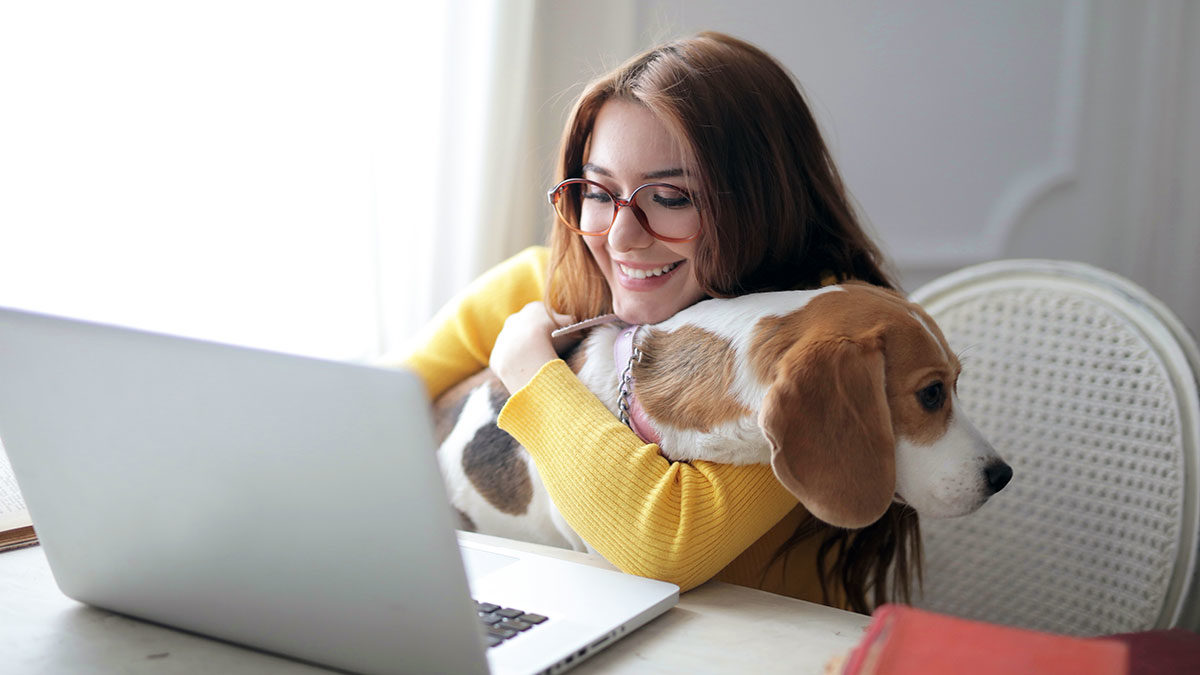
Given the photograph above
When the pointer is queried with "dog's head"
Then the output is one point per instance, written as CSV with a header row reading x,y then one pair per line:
x,y
862,410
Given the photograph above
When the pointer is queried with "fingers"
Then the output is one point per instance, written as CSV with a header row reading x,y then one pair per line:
x,y
563,343
523,346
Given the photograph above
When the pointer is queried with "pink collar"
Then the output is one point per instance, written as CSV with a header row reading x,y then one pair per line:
x,y
624,354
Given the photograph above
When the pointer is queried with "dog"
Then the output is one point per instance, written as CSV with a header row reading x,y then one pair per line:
x,y
847,391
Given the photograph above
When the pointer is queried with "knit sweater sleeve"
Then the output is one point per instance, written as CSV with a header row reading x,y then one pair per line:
x,y
677,521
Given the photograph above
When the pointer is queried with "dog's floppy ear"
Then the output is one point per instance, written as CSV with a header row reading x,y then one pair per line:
x,y
830,428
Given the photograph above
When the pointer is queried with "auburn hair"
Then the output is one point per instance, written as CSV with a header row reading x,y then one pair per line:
x,y
774,215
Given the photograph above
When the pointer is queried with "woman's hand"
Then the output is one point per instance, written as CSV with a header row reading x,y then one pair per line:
x,y
524,344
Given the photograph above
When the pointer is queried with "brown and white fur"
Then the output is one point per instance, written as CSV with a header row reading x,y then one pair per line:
x,y
825,385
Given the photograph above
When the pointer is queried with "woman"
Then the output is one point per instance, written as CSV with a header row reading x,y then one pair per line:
x,y
740,196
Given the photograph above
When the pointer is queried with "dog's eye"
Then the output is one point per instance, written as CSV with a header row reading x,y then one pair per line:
x,y
932,397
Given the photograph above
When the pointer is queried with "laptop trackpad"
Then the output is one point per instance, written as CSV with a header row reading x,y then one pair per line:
x,y
482,563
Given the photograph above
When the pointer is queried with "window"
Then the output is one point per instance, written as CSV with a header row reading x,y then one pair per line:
x,y
223,170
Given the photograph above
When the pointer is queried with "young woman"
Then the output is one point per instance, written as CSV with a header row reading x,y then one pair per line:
x,y
694,170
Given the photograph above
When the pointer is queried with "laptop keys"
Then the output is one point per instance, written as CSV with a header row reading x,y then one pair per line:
x,y
504,623
514,624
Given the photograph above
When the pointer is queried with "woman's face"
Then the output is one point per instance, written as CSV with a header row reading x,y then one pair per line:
x,y
650,279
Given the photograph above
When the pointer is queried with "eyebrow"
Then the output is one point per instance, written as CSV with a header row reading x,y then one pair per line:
x,y
661,173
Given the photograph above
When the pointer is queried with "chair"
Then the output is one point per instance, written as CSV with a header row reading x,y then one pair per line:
x,y
1087,386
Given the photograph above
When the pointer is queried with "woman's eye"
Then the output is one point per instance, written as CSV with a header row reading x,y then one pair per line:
x,y
672,200
932,397
597,195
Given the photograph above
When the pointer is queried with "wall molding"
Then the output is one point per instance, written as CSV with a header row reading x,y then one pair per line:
x,y
1028,187
1062,167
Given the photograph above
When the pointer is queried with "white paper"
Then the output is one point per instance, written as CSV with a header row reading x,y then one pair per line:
x,y
12,506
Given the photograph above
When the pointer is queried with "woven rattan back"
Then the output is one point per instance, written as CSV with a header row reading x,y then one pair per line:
x,y
1086,385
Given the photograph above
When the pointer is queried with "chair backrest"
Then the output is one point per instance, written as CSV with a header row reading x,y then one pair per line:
x,y
1087,386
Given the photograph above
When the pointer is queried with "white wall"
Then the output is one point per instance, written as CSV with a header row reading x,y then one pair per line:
x,y
967,131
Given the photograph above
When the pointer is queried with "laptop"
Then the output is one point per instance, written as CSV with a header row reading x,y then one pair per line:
x,y
282,502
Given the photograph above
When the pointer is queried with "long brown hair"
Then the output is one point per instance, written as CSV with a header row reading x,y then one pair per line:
x,y
774,213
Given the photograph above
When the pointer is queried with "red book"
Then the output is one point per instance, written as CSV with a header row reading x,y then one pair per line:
x,y
906,641
1162,652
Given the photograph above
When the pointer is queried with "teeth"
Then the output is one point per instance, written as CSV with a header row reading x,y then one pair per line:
x,y
642,274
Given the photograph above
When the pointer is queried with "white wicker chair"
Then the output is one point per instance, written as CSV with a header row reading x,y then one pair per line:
x,y
1087,386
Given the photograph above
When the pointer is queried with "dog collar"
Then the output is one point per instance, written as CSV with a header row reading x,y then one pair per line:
x,y
629,409
587,323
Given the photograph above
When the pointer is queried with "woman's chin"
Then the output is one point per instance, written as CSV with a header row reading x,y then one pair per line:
x,y
647,301
639,314
635,320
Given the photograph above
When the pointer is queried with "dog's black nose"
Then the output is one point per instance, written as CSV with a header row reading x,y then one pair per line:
x,y
997,475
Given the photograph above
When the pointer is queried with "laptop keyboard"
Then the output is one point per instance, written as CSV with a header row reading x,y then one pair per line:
x,y
505,623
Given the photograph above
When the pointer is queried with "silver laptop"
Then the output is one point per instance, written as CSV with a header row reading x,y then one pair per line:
x,y
281,502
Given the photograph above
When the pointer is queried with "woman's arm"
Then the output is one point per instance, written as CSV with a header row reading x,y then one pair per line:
x,y
674,521
458,342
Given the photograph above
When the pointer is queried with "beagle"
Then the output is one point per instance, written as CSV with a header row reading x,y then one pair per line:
x,y
847,391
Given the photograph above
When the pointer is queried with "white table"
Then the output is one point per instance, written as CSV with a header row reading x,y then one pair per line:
x,y
716,628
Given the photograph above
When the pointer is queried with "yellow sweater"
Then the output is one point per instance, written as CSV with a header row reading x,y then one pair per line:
x,y
677,521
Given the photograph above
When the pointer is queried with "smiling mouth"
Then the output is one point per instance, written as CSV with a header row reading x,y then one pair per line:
x,y
635,273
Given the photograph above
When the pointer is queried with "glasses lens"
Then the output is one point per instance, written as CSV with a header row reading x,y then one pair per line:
x,y
588,207
584,207
669,211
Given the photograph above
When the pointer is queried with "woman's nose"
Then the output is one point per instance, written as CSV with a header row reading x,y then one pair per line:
x,y
627,231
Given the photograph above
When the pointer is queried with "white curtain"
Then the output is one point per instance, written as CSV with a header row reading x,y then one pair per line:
x,y
485,205
513,71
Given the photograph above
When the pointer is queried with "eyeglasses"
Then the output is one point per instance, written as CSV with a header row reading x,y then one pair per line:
x,y
589,208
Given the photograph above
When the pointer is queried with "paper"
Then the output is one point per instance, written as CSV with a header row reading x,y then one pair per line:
x,y
12,507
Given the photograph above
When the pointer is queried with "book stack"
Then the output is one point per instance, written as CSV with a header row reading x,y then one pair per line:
x,y
906,641
16,527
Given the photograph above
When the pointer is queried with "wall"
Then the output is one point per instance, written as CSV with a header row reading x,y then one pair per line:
x,y
966,131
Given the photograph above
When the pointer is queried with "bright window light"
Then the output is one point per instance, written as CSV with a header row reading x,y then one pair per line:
x,y
216,169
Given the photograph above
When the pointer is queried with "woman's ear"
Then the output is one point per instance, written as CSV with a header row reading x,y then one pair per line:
x,y
830,428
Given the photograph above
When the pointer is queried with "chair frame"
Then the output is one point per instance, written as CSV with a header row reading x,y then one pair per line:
x,y
1176,346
